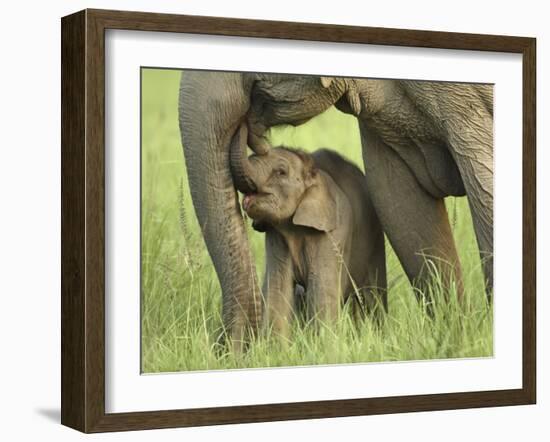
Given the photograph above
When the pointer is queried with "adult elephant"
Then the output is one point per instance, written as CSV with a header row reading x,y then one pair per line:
x,y
421,141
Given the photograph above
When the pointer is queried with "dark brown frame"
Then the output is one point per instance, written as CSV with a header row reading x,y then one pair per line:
x,y
83,215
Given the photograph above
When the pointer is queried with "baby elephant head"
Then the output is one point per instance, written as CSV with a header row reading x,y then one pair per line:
x,y
282,187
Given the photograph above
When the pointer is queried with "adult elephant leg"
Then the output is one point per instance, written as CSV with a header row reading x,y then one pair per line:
x,y
417,225
225,235
465,121
473,153
211,108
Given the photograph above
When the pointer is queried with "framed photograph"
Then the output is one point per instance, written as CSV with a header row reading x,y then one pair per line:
x,y
270,220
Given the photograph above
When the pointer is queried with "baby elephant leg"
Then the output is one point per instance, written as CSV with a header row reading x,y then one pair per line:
x,y
374,293
300,303
324,295
371,302
278,287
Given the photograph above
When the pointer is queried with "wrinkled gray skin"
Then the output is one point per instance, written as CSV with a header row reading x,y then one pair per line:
x,y
421,141
322,232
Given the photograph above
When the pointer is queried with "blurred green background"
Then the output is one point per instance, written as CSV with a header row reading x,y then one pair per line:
x,y
181,299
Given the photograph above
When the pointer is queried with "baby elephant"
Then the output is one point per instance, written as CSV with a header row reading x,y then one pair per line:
x,y
322,232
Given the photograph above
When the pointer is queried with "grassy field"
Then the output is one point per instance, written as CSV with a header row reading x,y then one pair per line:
x,y
181,298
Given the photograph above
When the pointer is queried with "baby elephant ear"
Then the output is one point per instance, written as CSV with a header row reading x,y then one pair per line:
x,y
318,210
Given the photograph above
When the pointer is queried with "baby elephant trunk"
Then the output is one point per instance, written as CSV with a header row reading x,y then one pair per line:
x,y
241,169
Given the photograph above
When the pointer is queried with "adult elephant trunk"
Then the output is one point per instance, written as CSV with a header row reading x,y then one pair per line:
x,y
211,107
241,169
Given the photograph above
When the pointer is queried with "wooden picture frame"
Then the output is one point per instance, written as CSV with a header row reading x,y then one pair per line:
x,y
83,220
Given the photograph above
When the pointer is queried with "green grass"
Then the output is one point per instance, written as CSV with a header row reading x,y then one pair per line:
x,y
181,298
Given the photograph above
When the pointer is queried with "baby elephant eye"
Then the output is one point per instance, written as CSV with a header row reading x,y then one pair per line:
x,y
281,172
